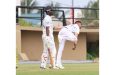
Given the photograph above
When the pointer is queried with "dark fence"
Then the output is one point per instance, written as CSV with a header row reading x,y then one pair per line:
x,y
88,15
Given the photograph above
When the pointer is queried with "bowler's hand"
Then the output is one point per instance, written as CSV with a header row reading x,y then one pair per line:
x,y
74,48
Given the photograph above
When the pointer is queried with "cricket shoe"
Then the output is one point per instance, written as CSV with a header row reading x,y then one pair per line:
x,y
60,67
53,67
42,68
50,66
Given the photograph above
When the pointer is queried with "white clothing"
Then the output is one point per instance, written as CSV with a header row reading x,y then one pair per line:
x,y
48,43
66,33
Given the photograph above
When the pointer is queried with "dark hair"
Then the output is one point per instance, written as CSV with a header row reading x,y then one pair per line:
x,y
78,21
48,8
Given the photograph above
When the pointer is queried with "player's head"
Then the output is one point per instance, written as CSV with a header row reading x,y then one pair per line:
x,y
79,23
48,10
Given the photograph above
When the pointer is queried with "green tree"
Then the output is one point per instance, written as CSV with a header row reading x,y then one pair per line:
x,y
91,15
92,47
25,3
93,50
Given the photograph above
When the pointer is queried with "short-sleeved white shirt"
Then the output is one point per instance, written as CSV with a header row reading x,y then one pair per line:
x,y
73,28
47,22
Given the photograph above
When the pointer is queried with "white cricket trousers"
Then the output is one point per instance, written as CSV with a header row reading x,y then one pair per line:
x,y
63,35
45,54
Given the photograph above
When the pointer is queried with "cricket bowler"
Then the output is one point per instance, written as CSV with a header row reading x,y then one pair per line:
x,y
70,33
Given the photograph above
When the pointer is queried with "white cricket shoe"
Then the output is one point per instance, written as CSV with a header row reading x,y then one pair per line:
x,y
42,67
60,67
55,68
51,67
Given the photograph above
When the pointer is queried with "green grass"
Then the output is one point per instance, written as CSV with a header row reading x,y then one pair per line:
x,y
70,69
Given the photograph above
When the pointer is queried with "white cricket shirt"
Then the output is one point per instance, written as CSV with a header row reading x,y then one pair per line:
x,y
73,28
47,22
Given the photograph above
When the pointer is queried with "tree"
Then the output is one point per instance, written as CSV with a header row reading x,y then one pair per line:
x,y
92,47
25,3
93,15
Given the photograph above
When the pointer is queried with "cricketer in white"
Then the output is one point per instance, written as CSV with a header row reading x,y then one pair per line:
x,y
48,40
69,32
49,49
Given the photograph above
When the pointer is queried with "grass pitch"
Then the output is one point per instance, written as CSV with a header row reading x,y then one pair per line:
x,y
70,69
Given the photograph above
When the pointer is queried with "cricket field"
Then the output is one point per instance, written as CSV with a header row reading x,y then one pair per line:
x,y
70,69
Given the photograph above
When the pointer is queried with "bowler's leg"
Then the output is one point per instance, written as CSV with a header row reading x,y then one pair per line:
x,y
60,50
